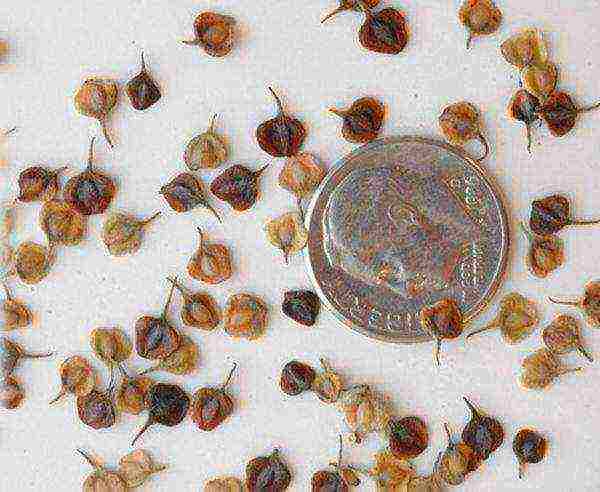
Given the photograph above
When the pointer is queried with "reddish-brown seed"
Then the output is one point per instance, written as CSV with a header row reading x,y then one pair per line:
x,y
384,32
560,113
408,437
480,17
211,263
443,321
238,186
142,90
302,306
185,192
524,107
11,393
200,310
215,33
212,406
268,473
482,434
96,410
11,354
345,5
296,378
530,447
589,303
39,183
362,121
551,214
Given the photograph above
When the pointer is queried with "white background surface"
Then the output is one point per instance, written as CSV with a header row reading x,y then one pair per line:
x,y
55,45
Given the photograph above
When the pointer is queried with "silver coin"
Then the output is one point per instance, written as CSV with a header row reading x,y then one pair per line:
x,y
402,223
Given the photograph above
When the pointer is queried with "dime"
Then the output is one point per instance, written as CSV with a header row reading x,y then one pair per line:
x,y
402,223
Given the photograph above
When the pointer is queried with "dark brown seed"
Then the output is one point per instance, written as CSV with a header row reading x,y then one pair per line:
x,y
215,33
524,107
212,406
167,404
296,377
408,437
482,434
185,192
11,393
155,338
529,447
39,183
96,410
551,214
560,113
384,32
283,135
90,192
237,186
346,5
443,321
142,90
267,473
362,121
302,306
11,354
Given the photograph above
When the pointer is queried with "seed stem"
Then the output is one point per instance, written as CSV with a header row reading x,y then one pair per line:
x,y
105,133
584,222
437,349
93,462
521,469
91,154
191,42
201,237
7,291
582,350
340,451
277,100
300,209
567,370
38,355
61,394
469,40
528,234
230,375
146,426
143,62
184,292
261,170
149,370
10,132
168,303
529,137
590,108
338,112
333,13
491,326
563,303
213,211
150,219
448,433
474,411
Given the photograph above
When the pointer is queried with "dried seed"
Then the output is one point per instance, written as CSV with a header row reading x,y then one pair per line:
x,y
167,405
238,186
283,135
111,345
101,480
225,484
364,412
137,467
142,90
362,121
11,393
268,473
182,361
461,123
340,479
215,33
38,183
96,98
90,192
96,410
302,306
33,262
541,368
77,378
480,17
552,214
545,254
246,316
300,175
185,192
560,113
207,150
62,223
524,107
345,5
589,303
390,472
540,80
529,447
11,354
327,385
517,318
212,406
155,338
131,395
408,437
443,321
384,32
482,434
296,378
123,233
456,462
563,336
14,314
200,310
211,263
287,233
525,48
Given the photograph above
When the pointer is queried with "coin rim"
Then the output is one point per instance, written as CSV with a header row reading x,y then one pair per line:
x,y
468,159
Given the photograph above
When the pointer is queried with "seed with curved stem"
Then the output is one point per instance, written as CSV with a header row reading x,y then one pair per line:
x,y
283,135
300,175
384,32
90,192
296,378
443,321
11,355
545,254
207,150
123,233
268,473
96,410
214,33
212,406
11,393
211,263
14,313
529,447
362,121
101,480
525,48
517,318
246,316
77,377
460,123
33,262
181,362
541,368
238,186
408,437
96,98
345,5
37,183
287,233
524,107
482,434
302,306
480,17
551,214
328,384
589,302
137,467
563,336
199,310
560,113
142,90
185,192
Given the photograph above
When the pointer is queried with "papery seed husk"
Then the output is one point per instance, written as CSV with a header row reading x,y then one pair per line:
x,y
11,393
96,98
267,473
32,262
182,361
211,263
206,151
77,377
38,183
301,174
62,223
287,233
14,313
480,17
123,233
384,32
215,33
96,410
525,48
246,316
328,384
540,80
362,121
131,395
137,467
238,186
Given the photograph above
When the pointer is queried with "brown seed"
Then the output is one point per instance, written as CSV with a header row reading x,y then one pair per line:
x,y
525,48
181,362
11,354
560,113
215,33
460,123
524,107
545,255
137,467
62,223
246,316
345,5
480,17
212,406
540,369
287,233
455,463
589,303
207,150
296,378
362,121
563,336
283,135
101,480
96,410
96,98
384,32
33,262
77,378
408,437
540,80
14,314
300,175
142,90
211,263
38,183
482,434
122,233
364,412
111,345
131,394
268,473
200,310
302,306
552,214
185,192
238,186
328,384
340,479
443,321
529,447
11,393
90,192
